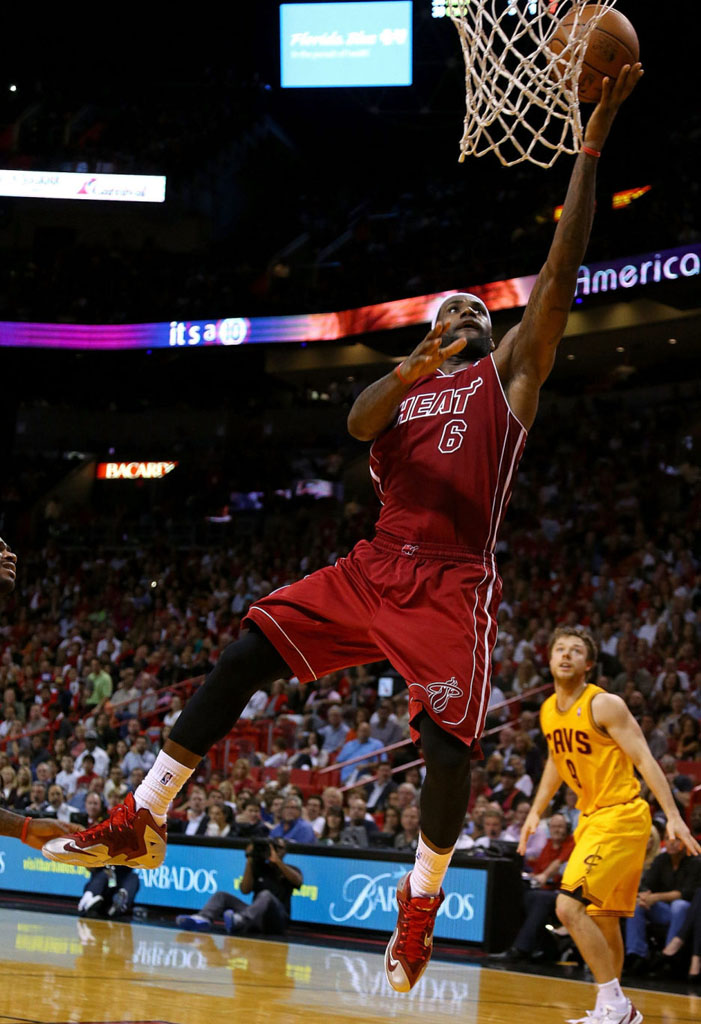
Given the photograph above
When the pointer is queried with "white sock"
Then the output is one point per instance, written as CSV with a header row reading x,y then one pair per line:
x,y
610,994
164,781
429,870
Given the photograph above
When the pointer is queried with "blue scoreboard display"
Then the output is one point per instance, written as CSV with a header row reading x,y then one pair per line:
x,y
345,44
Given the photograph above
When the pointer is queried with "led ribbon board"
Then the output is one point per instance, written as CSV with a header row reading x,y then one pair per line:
x,y
611,277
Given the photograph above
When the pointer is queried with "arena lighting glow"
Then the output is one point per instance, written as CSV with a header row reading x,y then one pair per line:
x,y
458,8
119,188
610,276
133,470
618,199
626,197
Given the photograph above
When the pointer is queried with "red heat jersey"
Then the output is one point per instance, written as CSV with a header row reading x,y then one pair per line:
x,y
445,467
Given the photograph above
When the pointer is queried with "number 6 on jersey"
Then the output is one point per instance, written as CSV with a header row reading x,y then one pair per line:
x,y
452,437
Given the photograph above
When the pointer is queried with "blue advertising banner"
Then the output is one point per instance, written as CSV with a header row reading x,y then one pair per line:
x,y
342,891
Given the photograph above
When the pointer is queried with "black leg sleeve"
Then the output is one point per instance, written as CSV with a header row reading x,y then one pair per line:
x,y
446,789
247,665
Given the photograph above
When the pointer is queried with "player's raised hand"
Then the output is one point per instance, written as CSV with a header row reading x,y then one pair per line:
x,y
527,829
677,829
613,93
428,355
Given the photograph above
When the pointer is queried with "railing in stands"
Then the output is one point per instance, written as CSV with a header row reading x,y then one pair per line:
x,y
185,688
420,761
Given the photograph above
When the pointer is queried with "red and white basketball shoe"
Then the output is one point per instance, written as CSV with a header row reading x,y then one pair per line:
x,y
409,950
127,837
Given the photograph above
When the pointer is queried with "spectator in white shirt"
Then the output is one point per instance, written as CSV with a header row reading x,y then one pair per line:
x,y
102,761
279,754
312,813
57,806
116,784
493,824
109,644
670,668
10,713
608,642
523,781
126,691
649,628
256,706
68,777
174,712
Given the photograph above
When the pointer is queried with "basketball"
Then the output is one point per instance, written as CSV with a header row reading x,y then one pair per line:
x,y
613,43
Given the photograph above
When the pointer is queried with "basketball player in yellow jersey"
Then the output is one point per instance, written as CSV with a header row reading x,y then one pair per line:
x,y
594,743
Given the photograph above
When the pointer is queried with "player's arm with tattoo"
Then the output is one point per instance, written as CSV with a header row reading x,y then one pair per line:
x,y
526,355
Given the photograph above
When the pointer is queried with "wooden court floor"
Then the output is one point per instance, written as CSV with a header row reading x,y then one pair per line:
x,y
55,969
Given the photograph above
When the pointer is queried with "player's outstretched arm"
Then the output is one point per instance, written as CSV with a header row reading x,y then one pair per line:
x,y
33,831
526,355
550,782
612,714
376,406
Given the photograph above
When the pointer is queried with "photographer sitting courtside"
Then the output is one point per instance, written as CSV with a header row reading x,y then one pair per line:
x,y
272,883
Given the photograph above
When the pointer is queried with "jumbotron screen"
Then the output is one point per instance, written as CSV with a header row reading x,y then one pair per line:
x,y
345,44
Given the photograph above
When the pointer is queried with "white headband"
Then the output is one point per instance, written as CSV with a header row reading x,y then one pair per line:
x,y
459,295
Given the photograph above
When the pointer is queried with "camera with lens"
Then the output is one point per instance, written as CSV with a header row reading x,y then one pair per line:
x,y
261,848
260,853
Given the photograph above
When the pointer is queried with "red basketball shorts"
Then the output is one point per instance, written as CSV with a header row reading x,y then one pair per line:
x,y
430,611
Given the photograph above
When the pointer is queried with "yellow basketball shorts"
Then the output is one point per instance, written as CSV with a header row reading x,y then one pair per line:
x,y
605,866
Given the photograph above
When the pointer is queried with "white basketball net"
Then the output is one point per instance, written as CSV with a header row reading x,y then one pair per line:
x,y
521,98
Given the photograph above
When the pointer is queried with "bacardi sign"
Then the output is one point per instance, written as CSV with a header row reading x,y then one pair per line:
x,y
134,470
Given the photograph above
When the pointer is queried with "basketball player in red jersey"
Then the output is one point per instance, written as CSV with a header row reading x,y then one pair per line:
x,y
448,426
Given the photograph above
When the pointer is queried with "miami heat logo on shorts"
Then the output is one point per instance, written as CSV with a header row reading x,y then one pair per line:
x,y
440,693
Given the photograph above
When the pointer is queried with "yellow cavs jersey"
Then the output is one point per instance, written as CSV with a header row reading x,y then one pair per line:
x,y
586,757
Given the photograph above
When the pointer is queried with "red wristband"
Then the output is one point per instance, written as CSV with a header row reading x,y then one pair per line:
x,y
25,827
398,371
591,152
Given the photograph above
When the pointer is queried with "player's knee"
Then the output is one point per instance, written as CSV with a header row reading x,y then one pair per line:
x,y
568,909
444,754
232,661
240,664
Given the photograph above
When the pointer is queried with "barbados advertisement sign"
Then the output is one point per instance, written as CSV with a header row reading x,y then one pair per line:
x,y
344,891
613,277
